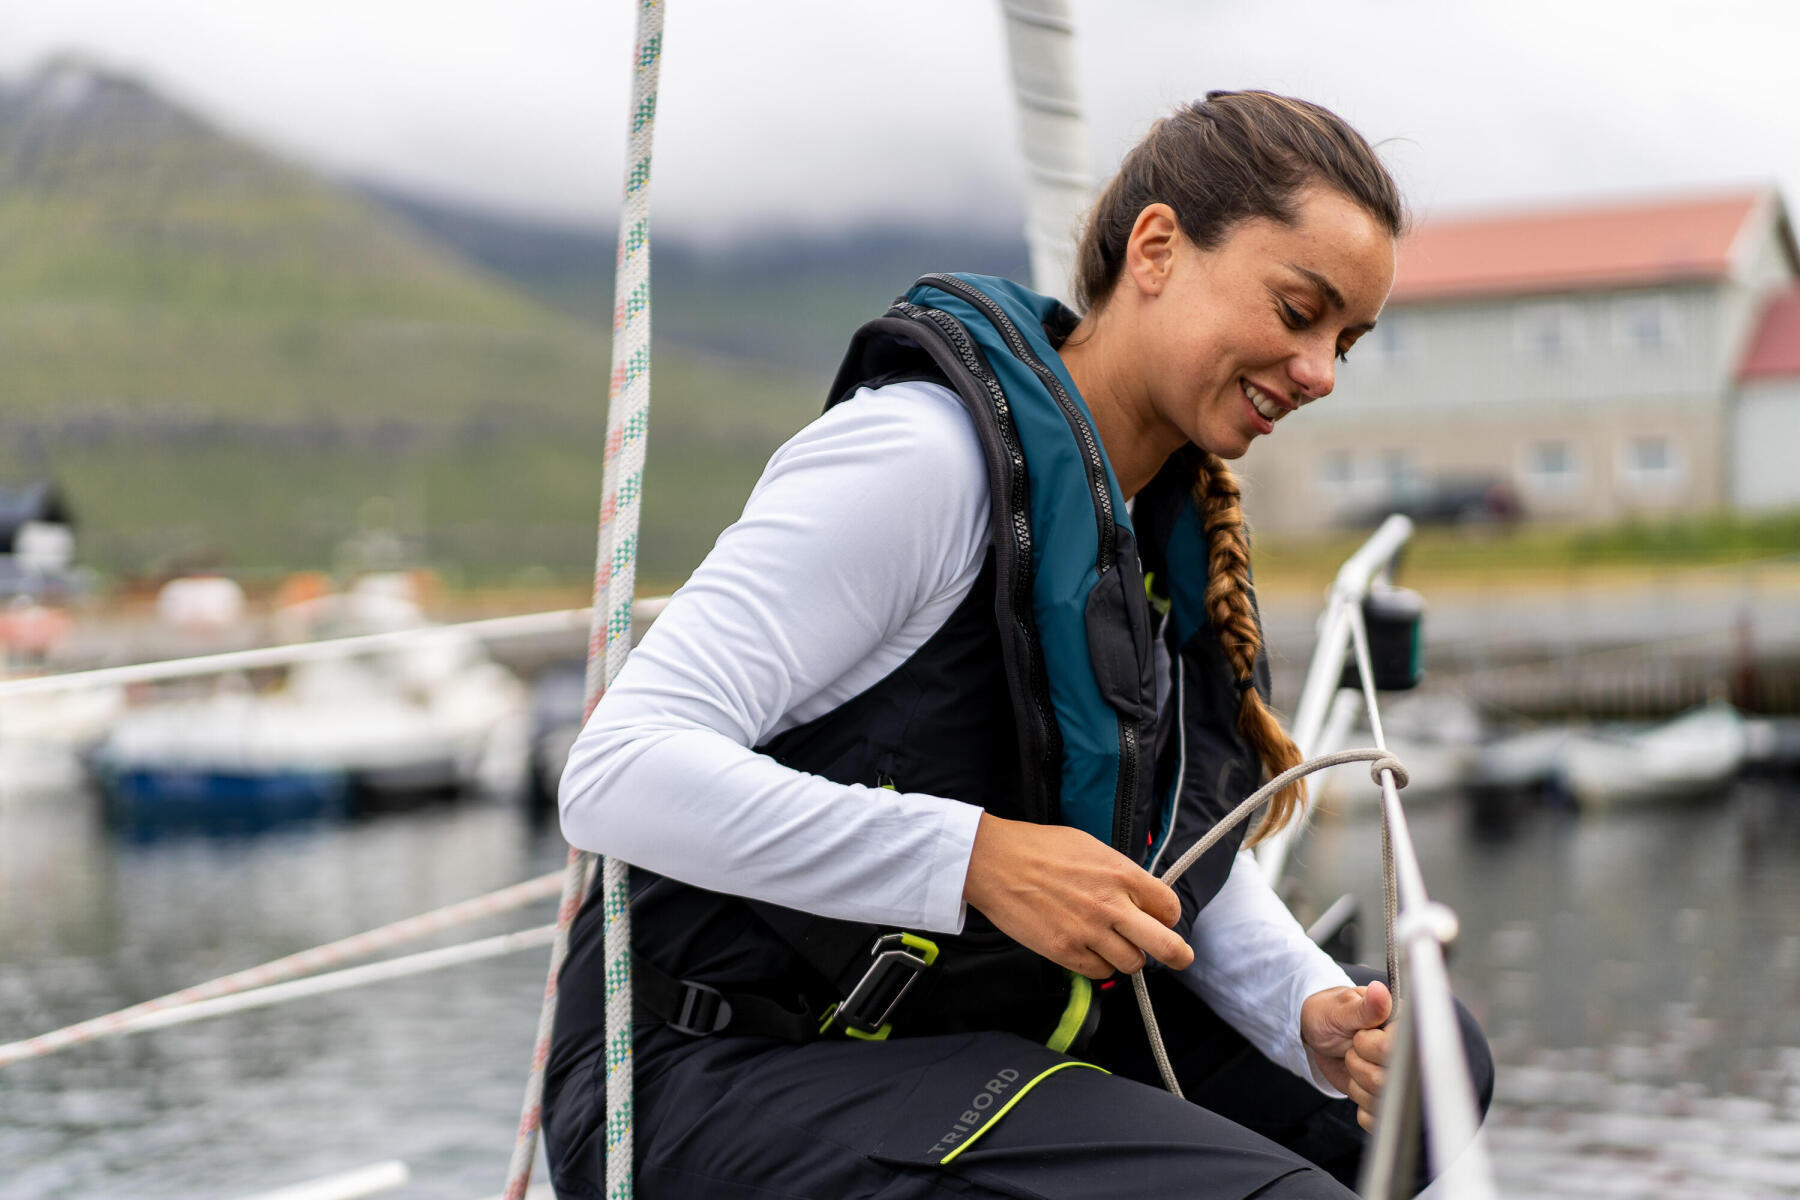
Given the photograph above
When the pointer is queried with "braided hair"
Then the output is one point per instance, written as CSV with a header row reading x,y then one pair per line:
x,y
1216,163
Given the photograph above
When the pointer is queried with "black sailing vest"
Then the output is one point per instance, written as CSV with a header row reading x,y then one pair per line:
x,y
1039,699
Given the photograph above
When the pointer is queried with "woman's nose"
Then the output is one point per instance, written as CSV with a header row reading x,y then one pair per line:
x,y
1313,374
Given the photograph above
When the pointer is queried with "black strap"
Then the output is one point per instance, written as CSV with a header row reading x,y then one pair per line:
x,y
699,1010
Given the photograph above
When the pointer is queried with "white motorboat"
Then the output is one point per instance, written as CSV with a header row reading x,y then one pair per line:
x,y
1692,756
433,716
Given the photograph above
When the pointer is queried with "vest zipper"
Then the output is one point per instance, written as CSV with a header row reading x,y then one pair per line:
x,y
1125,790
1084,433
1125,795
1036,685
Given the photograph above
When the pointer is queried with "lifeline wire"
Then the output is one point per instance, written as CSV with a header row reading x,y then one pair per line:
x,y
609,640
330,954
1390,879
1382,760
336,981
1418,930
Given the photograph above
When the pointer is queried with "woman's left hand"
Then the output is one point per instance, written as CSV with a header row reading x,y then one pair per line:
x,y
1341,1028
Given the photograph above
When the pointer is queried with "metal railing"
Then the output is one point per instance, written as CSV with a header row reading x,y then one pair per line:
x,y
1428,1072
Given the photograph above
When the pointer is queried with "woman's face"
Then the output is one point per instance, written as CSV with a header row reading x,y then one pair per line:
x,y
1242,335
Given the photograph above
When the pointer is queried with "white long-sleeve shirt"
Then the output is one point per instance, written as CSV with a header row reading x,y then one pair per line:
x,y
864,534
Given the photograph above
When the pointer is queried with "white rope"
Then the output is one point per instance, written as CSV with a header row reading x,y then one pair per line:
x,y
1040,41
1383,761
492,629
338,981
609,641
451,915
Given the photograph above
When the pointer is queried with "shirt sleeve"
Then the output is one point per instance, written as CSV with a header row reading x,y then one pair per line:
x,y
1255,967
862,537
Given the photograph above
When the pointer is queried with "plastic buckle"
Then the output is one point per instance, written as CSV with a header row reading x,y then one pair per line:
x,y
703,1010
899,959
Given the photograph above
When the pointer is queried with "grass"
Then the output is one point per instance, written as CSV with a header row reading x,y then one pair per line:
x,y
1486,557
484,487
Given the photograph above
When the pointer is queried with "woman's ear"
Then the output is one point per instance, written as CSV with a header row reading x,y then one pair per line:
x,y
1150,250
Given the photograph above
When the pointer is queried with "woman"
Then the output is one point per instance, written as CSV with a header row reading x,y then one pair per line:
x,y
981,655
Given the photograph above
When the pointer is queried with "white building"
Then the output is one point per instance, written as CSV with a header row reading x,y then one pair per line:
x,y
1600,361
1765,425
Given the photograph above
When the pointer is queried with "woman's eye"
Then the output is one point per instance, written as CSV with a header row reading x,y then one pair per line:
x,y
1294,317
1343,356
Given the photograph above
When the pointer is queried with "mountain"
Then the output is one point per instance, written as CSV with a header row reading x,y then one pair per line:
x,y
219,277
781,298
226,357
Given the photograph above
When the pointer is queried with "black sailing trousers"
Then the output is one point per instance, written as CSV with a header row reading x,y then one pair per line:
x,y
976,1115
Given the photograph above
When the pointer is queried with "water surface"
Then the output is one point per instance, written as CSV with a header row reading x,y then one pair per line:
x,y
1639,973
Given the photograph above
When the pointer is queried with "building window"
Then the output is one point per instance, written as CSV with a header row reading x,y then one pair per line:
x,y
1551,466
1397,473
1337,473
1548,331
1644,324
1388,343
1650,462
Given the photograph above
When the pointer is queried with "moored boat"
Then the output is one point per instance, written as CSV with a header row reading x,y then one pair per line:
x,y
434,718
1692,756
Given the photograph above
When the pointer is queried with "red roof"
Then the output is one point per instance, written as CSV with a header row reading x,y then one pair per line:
x,y
1775,350
1617,245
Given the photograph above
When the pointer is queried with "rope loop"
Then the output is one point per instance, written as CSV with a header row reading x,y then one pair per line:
x,y
1388,762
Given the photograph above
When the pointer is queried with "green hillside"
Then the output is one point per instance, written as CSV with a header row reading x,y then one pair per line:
x,y
226,358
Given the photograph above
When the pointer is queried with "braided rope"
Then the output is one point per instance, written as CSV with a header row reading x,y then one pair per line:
x,y
609,637
1381,759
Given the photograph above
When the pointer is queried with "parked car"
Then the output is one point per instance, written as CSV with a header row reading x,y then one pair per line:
x,y
1454,500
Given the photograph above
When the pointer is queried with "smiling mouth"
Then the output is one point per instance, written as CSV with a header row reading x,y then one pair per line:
x,y
1267,407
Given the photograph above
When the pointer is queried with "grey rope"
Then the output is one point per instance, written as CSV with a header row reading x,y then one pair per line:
x,y
1380,760
1390,905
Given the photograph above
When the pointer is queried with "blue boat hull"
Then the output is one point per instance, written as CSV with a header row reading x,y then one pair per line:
x,y
145,799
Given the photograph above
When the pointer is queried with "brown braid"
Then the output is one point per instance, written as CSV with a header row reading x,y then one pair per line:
x,y
1233,615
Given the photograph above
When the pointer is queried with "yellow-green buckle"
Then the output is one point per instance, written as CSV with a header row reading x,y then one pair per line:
x,y
899,960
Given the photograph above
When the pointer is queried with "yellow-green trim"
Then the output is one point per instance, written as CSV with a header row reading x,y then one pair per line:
x,y
880,1035
1081,999
1159,602
1008,1106
924,946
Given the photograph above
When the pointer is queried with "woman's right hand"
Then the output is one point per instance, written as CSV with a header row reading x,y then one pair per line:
x,y
1072,898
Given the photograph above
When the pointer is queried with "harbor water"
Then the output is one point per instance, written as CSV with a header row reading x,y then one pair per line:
x,y
1638,972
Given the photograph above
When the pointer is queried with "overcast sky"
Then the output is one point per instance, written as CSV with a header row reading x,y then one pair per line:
x,y
805,112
